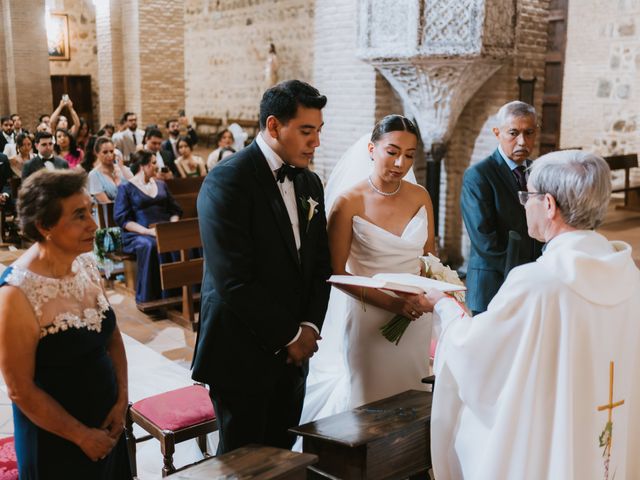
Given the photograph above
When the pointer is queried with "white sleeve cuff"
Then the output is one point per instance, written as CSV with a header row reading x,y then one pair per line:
x,y
294,338
312,325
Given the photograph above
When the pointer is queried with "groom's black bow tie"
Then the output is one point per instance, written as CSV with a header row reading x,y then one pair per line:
x,y
288,171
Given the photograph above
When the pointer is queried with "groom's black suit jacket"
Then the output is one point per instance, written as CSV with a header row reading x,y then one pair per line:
x,y
256,290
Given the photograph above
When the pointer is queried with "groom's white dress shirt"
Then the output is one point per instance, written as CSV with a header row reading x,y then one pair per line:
x,y
289,196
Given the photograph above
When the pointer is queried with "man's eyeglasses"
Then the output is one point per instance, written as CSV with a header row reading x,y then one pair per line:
x,y
524,196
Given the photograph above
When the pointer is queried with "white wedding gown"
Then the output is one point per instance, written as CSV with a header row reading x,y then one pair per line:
x,y
355,364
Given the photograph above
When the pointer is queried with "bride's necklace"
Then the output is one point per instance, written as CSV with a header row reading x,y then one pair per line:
x,y
385,194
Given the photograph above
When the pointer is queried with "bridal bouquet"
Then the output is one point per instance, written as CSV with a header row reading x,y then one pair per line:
x,y
433,268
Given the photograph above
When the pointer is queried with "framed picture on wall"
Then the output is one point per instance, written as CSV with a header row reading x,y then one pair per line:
x,y
58,36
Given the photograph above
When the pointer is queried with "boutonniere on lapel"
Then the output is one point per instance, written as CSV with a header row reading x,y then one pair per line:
x,y
309,206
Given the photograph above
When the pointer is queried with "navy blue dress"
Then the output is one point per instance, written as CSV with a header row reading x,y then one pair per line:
x,y
132,205
74,367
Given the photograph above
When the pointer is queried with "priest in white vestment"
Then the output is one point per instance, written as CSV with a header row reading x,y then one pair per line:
x,y
546,383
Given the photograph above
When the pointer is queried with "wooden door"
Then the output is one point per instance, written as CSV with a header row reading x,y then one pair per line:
x,y
78,87
554,68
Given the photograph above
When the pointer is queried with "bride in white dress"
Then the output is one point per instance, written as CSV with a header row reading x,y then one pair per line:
x,y
378,222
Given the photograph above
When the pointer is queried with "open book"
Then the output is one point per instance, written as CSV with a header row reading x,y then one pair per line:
x,y
396,282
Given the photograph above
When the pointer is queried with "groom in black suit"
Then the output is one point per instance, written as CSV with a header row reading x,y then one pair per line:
x,y
265,291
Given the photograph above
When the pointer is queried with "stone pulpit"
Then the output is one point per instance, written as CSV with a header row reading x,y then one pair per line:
x,y
436,54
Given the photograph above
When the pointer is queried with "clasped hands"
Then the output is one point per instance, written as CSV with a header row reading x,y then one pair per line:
x,y
304,347
97,443
413,306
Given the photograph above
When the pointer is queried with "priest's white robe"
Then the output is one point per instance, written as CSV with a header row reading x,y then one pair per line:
x,y
518,386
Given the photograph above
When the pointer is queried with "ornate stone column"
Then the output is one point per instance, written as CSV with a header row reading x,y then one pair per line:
x,y
436,54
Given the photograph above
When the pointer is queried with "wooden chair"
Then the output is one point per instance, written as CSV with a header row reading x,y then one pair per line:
x,y
182,236
626,163
171,417
178,186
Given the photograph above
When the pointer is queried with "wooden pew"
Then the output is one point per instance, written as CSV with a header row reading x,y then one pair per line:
x,y
104,217
207,128
251,126
185,191
251,462
386,439
626,163
181,236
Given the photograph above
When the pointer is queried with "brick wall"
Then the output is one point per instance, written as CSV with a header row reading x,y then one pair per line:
x,y
161,60
25,66
226,45
601,90
4,93
82,46
349,83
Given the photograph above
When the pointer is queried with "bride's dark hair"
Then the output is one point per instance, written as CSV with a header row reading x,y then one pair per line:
x,y
393,123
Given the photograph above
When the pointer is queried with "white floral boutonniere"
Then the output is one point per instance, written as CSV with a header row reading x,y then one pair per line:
x,y
309,205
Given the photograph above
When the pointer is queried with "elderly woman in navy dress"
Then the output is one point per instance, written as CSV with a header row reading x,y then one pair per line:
x,y
61,352
142,202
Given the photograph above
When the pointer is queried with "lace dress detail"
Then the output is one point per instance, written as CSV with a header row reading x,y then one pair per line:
x,y
76,301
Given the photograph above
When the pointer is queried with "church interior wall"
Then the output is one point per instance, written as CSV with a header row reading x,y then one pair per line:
x,y
83,46
226,45
4,93
472,139
601,102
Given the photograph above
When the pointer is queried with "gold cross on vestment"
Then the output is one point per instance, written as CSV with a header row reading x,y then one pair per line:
x,y
611,405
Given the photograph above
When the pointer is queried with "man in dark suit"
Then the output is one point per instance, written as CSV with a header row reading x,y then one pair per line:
x,y
265,291
170,145
166,163
45,157
490,206
6,132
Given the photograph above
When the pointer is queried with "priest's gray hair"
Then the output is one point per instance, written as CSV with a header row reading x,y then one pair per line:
x,y
579,181
515,109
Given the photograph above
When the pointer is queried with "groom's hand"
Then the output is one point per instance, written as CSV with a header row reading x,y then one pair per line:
x,y
304,347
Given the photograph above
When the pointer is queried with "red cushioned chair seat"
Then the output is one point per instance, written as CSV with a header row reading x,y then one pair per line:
x,y
177,409
8,462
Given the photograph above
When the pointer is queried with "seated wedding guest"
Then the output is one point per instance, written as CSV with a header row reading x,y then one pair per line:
x,y
141,203
11,168
170,145
7,137
107,130
107,175
166,165
61,352
188,164
83,134
128,138
89,160
17,125
57,121
43,127
67,148
45,157
526,390
224,142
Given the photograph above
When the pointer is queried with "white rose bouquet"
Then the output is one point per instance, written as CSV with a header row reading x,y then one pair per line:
x,y
433,268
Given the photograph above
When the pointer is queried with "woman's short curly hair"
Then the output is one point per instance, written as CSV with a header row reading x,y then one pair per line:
x,y
41,195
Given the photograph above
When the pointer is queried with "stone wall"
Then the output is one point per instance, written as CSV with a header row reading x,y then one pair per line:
x,y
82,45
601,93
226,44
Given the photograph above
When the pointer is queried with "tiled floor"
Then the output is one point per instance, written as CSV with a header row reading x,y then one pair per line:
x,y
160,351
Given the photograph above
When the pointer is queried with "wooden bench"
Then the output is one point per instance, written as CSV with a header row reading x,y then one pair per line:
x,y
626,163
251,126
181,236
253,462
207,128
104,217
185,191
386,439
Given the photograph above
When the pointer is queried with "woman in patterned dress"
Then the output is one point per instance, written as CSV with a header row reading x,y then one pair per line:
x,y
61,352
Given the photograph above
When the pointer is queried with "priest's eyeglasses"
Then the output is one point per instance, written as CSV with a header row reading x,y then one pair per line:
x,y
524,196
